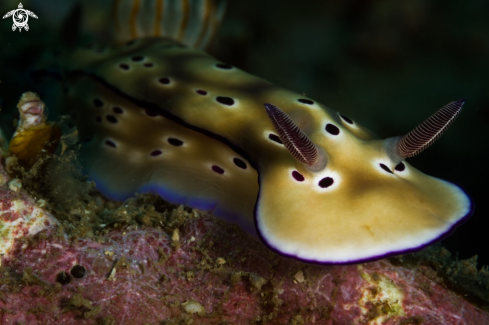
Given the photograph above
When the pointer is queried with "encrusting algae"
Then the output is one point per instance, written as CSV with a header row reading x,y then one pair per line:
x,y
175,265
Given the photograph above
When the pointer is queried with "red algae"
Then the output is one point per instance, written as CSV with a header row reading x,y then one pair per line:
x,y
130,281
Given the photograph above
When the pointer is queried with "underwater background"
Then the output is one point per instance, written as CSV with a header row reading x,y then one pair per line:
x,y
388,65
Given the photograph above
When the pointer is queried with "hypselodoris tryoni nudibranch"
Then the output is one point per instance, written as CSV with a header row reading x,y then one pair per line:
x,y
157,114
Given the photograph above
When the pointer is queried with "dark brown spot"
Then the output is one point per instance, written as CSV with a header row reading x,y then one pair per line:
x,y
384,167
98,103
151,112
131,42
297,176
225,100
332,129
110,143
224,66
124,66
111,119
275,138
117,110
201,92
148,65
346,119
156,153
306,101
400,167
164,81
137,58
175,142
326,182
218,169
78,271
63,278
240,163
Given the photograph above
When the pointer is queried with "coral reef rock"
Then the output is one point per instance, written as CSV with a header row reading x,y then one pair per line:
x,y
204,271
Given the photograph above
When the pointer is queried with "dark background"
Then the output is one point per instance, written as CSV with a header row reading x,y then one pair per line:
x,y
387,64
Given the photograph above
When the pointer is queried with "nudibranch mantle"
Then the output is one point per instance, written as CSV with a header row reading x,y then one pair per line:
x,y
159,117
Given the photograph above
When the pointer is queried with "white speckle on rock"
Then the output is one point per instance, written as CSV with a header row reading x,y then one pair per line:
x,y
112,275
176,235
257,281
25,219
220,261
299,277
15,185
193,307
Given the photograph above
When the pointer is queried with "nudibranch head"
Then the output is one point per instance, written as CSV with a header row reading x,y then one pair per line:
x,y
363,204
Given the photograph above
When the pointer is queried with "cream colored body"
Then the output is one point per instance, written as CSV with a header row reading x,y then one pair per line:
x,y
366,213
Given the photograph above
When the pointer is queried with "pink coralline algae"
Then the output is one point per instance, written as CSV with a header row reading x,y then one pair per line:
x,y
202,271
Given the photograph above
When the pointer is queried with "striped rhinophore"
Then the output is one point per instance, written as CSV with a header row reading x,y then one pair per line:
x,y
298,144
430,130
192,22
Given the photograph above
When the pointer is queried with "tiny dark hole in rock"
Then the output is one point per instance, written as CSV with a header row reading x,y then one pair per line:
x,y
156,153
201,92
78,271
137,58
148,65
63,278
124,66
117,110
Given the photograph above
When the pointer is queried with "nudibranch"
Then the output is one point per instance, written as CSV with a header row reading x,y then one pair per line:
x,y
155,114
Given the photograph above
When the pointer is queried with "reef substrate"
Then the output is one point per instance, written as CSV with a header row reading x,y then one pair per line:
x,y
195,269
